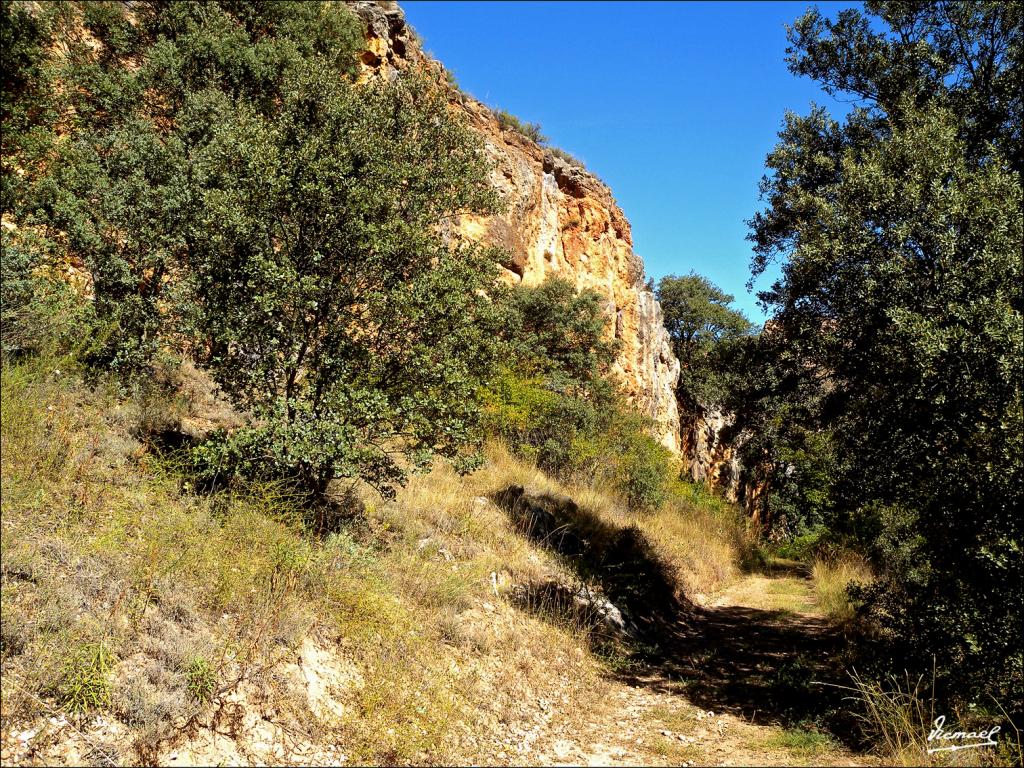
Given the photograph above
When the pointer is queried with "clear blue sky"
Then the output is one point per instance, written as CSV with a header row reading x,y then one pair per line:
x,y
673,105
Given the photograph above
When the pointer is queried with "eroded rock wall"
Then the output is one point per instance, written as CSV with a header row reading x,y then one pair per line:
x,y
559,219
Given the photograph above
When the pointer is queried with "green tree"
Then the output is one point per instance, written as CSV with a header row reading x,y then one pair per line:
x,y
333,308
899,233
699,320
235,196
558,330
785,448
136,93
555,403
27,107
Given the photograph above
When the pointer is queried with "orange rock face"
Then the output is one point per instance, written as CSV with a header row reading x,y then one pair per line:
x,y
558,220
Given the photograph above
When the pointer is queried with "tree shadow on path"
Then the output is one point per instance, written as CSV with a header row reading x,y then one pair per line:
x,y
764,666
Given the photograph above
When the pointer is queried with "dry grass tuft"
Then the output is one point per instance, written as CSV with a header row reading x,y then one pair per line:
x,y
832,578
899,715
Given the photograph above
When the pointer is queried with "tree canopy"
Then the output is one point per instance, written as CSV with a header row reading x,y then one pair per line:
x,y
699,320
236,197
899,234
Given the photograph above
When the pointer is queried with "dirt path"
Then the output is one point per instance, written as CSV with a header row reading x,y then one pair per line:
x,y
727,690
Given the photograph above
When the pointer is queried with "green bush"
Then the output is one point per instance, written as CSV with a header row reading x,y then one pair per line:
x,y
201,680
39,311
539,423
643,471
554,405
85,679
574,438
509,122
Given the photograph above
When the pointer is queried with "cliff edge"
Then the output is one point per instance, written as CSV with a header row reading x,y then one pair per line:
x,y
559,219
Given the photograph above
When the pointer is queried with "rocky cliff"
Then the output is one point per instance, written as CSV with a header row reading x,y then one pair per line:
x,y
559,219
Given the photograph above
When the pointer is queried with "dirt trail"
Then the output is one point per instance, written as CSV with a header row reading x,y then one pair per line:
x,y
718,694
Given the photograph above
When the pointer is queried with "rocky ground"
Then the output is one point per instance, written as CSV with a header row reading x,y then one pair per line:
x,y
696,702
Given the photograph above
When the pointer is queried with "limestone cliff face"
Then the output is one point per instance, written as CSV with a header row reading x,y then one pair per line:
x,y
710,458
558,220
710,448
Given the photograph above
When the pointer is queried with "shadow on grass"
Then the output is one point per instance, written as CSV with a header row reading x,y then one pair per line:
x,y
619,561
764,666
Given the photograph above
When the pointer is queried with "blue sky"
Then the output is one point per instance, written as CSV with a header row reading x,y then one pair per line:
x,y
673,104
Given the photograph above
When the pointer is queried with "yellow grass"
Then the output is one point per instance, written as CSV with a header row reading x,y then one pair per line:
x,y
832,576
105,547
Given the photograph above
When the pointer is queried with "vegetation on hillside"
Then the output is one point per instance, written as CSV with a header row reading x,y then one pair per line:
x,y
130,593
509,122
236,346
199,198
127,594
223,182
555,405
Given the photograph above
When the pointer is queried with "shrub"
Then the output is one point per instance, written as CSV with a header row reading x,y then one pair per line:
x,y
39,311
85,679
643,470
573,437
201,680
509,122
552,406
569,158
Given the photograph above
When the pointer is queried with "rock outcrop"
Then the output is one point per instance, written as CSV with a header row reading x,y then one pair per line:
x,y
559,219
710,448
711,459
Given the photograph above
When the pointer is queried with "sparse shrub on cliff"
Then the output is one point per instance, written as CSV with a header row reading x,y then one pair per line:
x,y
569,158
509,122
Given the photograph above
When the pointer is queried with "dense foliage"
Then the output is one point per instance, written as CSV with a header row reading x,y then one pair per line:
x,y
701,324
897,332
555,405
234,196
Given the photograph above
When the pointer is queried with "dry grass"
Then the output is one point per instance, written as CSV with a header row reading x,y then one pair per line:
x,y
703,537
832,576
899,714
125,592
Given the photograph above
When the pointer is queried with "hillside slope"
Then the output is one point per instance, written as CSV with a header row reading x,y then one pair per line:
x,y
146,622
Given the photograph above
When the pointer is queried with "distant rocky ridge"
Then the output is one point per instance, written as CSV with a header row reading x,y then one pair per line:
x,y
559,220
